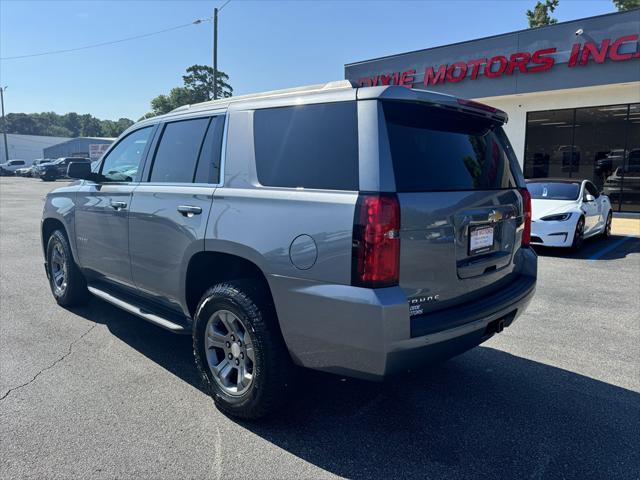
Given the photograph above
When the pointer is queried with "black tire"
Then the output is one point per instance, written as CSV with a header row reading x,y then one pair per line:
x,y
606,233
578,235
72,290
47,179
272,372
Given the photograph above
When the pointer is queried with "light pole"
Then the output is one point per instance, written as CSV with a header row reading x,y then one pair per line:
x,y
215,48
4,125
215,53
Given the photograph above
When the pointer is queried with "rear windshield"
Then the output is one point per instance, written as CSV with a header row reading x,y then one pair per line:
x,y
433,149
553,191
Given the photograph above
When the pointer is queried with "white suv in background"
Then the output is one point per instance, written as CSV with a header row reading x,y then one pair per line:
x,y
10,167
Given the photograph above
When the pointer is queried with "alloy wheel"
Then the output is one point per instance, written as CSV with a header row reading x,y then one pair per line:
x,y
230,352
59,268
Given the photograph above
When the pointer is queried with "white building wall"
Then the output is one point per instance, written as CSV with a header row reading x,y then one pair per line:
x,y
517,106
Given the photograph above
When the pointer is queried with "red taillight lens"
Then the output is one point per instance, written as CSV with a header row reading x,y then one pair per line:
x,y
376,241
526,211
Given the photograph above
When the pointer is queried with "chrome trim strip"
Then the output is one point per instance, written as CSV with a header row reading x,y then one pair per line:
x,y
150,317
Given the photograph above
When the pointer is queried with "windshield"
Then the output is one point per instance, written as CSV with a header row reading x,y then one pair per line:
x,y
433,149
554,191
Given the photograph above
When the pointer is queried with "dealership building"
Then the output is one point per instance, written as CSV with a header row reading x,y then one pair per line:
x,y
572,92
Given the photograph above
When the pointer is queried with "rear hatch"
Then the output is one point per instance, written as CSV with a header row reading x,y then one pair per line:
x,y
457,182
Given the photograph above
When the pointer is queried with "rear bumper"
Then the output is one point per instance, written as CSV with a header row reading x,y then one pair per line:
x,y
368,333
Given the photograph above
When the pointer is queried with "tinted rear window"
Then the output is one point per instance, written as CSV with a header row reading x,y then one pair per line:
x,y
553,191
434,149
309,146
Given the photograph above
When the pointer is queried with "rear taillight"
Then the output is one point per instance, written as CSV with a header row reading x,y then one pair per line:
x,y
526,213
376,241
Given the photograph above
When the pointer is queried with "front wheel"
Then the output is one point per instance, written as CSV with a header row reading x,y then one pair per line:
x,y
240,352
606,233
67,283
578,235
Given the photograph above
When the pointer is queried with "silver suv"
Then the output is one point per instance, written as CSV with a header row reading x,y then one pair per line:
x,y
355,231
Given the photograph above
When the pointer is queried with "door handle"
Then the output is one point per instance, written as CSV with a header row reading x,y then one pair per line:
x,y
189,210
118,205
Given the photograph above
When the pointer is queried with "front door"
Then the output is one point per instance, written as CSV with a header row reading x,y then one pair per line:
x,y
592,209
170,207
102,211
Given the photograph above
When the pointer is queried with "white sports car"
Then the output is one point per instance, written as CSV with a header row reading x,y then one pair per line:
x,y
564,212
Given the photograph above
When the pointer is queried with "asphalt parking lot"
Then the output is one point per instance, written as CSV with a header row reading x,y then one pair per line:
x,y
96,392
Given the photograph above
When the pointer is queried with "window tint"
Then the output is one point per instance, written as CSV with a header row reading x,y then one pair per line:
x,y
122,163
434,149
309,146
177,153
591,189
554,191
208,170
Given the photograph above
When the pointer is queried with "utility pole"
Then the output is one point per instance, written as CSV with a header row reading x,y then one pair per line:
x,y
4,125
215,53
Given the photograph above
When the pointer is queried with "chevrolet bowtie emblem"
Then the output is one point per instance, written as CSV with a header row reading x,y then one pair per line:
x,y
495,216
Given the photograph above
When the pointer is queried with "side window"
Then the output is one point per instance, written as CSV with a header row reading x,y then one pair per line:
x,y
208,170
122,163
591,189
177,153
308,146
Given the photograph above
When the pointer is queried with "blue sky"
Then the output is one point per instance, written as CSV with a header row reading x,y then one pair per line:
x,y
263,45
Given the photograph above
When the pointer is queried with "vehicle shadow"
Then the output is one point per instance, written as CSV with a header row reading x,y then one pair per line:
x,y
486,414
612,248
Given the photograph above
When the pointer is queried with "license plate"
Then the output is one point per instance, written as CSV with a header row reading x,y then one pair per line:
x,y
480,239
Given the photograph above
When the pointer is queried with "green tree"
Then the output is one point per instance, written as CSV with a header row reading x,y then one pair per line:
x,y
198,87
72,122
540,15
67,125
623,5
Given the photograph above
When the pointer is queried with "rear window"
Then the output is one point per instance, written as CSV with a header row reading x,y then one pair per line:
x,y
437,150
554,191
308,146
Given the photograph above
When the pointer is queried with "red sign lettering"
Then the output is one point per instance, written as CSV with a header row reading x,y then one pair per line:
x,y
522,62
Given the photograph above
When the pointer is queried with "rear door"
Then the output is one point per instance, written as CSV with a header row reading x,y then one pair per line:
x,y
458,183
170,208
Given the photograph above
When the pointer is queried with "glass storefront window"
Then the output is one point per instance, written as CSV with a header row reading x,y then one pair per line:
x,y
601,144
549,151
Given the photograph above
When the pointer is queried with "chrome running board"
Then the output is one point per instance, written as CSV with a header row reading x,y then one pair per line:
x,y
135,310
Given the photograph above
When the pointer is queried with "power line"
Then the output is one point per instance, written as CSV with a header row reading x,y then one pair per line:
x,y
102,44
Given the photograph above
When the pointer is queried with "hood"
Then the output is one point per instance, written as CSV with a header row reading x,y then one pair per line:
x,y
542,208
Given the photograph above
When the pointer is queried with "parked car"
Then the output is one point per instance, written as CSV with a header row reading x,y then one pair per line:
x,y
355,231
33,170
58,168
566,211
23,172
9,168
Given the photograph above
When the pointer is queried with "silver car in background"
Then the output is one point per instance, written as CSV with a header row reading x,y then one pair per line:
x,y
354,231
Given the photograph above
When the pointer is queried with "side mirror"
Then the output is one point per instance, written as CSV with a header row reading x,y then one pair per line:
x,y
589,198
80,171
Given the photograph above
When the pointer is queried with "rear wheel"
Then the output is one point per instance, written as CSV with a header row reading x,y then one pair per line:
x,y
578,235
67,283
606,233
240,352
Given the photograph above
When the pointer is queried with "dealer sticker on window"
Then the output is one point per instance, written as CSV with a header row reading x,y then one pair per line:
x,y
480,239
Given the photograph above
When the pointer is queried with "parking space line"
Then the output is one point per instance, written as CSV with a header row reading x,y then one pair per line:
x,y
609,248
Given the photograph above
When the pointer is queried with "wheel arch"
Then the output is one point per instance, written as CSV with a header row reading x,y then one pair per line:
x,y
207,268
